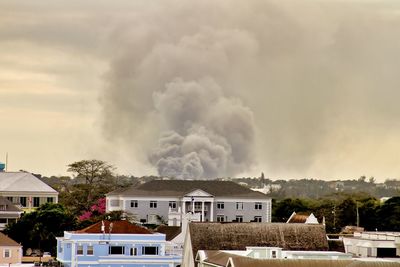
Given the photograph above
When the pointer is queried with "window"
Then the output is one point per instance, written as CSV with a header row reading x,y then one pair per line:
x,y
3,220
134,203
273,254
12,220
79,250
3,207
197,205
89,250
239,205
172,204
220,218
10,198
257,219
36,201
258,206
153,204
49,200
133,251
220,205
117,250
22,201
149,250
114,202
7,253
239,218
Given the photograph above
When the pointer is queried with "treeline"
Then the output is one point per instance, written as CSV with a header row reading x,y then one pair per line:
x,y
344,210
314,188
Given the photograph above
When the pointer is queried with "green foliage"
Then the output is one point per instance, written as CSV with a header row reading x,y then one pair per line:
x,y
39,228
389,214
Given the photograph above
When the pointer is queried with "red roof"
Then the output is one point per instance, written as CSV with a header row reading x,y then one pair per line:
x,y
118,227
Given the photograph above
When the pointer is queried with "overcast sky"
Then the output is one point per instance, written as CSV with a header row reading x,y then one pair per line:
x,y
194,89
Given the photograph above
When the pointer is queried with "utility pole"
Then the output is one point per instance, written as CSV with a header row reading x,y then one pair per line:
x,y
358,215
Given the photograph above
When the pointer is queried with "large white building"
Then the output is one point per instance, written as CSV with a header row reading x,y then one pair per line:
x,y
25,190
373,244
164,201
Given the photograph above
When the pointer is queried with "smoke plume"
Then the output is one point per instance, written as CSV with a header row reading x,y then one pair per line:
x,y
208,135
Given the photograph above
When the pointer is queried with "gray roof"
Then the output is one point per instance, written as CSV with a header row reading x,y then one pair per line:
x,y
178,188
22,182
238,236
9,205
219,258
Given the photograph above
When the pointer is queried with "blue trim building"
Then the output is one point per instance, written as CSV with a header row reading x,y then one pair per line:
x,y
110,249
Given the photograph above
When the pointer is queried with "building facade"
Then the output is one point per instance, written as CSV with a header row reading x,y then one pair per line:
x,y
10,251
160,201
115,244
25,190
373,244
9,213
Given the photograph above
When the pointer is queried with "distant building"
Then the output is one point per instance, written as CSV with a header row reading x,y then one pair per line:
x,y
373,244
25,190
10,251
221,201
9,213
302,218
238,236
115,244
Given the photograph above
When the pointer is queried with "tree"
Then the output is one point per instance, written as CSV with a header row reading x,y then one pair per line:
x,y
389,214
347,212
93,179
39,228
283,209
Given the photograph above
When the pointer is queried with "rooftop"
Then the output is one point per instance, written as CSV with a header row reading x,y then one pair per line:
x,y
117,227
179,188
22,182
6,241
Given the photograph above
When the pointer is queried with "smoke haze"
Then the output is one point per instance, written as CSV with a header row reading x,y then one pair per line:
x,y
198,89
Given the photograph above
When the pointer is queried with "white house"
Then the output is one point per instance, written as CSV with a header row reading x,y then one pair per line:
x,y
161,200
25,190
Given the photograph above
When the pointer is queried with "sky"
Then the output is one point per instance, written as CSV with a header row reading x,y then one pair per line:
x,y
202,89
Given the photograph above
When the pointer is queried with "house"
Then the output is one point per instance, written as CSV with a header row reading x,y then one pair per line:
x,y
25,190
9,213
302,218
238,236
373,244
226,258
158,201
115,244
10,251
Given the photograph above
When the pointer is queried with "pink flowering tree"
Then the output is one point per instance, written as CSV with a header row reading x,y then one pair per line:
x,y
99,208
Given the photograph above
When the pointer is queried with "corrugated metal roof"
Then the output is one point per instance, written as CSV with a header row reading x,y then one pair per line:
x,y
22,182
220,258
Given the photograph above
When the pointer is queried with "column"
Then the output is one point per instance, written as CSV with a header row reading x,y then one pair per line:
x,y
193,206
184,207
202,211
212,211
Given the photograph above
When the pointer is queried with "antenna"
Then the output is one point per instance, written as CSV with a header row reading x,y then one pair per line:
x,y
110,228
103,228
